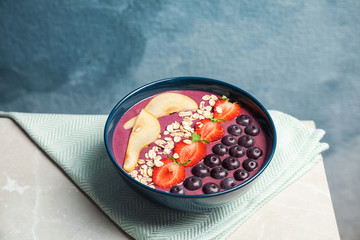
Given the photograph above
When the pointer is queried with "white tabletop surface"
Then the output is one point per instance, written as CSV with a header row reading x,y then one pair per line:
x,y
38,201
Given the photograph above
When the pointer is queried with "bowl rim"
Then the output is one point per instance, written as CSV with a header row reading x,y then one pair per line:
x,y
205,79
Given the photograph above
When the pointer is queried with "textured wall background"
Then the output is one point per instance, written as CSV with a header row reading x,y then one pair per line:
x,y
299,57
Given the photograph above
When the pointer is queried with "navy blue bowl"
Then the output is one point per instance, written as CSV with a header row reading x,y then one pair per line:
x,y
191,202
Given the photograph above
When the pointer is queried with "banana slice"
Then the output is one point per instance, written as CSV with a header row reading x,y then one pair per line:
x,y
165,104
145,131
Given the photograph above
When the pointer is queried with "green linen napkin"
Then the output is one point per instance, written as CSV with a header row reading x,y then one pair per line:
x,y
75,143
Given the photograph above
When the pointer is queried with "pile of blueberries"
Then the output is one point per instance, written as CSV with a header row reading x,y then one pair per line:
x,y
218,169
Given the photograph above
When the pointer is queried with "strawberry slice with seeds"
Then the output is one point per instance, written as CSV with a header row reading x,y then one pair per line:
x,y
169,174
210,129
226,110
190,153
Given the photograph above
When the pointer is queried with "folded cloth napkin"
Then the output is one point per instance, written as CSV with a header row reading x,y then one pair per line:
x,y
75,143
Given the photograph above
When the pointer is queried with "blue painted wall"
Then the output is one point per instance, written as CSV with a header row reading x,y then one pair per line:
x,y
299,57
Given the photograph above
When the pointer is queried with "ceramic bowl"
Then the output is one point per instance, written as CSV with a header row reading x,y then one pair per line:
x,y
191,202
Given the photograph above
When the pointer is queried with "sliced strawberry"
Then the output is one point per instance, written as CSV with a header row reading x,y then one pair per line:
x,y
209,129
169,174
190,154
225,110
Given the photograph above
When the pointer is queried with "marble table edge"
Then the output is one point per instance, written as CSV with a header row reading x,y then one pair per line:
x,y
114,228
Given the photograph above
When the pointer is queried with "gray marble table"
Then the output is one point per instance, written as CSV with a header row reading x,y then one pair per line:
x,y
38,201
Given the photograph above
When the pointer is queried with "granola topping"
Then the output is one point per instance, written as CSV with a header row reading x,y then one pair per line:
x,y
173,133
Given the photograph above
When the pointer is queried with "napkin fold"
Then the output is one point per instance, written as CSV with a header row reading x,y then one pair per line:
x,y
76,144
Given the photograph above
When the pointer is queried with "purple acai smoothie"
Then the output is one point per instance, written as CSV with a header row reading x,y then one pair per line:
x,y
163,147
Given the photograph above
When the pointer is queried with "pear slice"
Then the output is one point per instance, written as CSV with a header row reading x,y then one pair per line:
x,y
165,104
145,131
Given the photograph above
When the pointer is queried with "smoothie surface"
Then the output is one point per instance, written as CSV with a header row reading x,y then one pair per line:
x,y
144,168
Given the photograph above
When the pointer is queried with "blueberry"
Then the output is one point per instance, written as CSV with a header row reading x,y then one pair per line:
x,y
200,170
246,141
218,172
177,189
220,149
237,151
210,188
243,120
254,152
250,164
252,130
241,174
231,163
192,183
212,160
229,140
234,130
228,183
